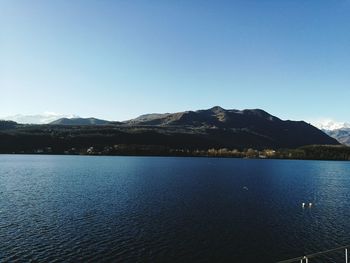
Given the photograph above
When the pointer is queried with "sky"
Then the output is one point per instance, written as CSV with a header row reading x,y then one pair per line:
x,y
118,59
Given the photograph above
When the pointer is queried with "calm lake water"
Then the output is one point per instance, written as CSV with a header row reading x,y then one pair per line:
x,y
159,209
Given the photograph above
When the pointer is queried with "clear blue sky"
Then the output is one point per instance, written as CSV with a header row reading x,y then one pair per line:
x,y
118,59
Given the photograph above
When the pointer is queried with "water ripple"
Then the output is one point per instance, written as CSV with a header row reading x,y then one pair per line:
x,y
130,209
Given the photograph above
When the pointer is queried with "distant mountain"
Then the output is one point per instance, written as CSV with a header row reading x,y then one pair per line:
x,y
342,135
330,125
335,129
79,121
251,128
38,118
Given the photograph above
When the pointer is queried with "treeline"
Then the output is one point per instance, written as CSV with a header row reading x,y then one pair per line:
x,y
324,152
4,125
314,152
152,141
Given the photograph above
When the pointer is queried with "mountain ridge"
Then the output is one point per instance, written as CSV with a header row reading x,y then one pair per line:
x,y
213,116
256,124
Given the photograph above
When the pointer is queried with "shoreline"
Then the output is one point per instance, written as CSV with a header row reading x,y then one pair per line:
x,y
172,156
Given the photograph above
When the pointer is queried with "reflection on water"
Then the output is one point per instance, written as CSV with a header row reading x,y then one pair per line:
x,y
73,208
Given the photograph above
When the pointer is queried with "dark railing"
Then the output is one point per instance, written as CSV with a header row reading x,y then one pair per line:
x,y
308,258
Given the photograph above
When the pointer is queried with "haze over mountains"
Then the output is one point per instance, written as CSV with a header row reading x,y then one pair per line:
x,y
44,118
79,121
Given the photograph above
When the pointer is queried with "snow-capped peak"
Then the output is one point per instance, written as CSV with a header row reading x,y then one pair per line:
x,y
329,125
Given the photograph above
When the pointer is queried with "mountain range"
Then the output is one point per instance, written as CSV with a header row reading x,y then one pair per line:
x,y
342,135
215,117
338,130
202,129
330,125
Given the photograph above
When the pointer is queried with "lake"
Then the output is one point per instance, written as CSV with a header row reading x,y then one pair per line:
x,y
165,209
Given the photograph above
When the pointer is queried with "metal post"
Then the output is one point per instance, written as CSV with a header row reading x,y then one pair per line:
x,y
346,255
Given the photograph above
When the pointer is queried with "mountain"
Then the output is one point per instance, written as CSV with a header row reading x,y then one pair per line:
x,y
215,117
337,130
342,135
329,125
79,121
251,128
44,118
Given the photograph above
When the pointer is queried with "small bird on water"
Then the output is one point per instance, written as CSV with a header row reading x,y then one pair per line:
x,y
309,205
